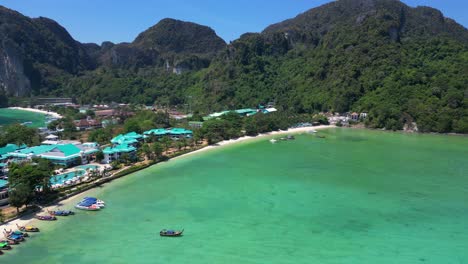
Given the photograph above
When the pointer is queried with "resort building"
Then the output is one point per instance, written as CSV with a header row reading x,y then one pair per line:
x,y
3,192
61,154
246,111
87,124
7,149
51,140
173,133
195,124
131,139
115,153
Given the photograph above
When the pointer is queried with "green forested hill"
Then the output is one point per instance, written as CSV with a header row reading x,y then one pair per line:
x,y
398,63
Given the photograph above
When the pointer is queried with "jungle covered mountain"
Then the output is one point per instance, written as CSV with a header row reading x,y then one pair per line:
x,y
400,64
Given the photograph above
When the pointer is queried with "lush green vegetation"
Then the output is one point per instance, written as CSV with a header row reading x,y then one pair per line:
x,y
399,64
19,135
30,182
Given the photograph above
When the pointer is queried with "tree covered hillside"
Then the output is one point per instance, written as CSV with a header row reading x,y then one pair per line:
x,y
399,64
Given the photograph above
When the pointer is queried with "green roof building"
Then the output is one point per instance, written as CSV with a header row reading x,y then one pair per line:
x,y
61,154
114,153
131,138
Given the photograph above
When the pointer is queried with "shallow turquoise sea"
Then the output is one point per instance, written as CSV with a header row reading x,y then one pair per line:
x,y
11,116
355,196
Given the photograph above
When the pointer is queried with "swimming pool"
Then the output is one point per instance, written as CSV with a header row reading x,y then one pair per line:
x,y
62,178
86,167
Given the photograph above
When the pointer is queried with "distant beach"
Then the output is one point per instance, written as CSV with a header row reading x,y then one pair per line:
x,y
53,114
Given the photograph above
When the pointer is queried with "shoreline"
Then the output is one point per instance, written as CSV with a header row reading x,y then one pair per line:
x,y
53,114
28,219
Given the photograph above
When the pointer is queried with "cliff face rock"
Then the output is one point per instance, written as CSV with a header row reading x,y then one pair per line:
x,y
13,80
31,49
30,45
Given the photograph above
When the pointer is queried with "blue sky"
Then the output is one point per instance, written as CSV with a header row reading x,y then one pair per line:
x,y
122,20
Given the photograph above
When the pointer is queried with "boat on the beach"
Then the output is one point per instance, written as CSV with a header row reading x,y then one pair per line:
x,y
5,245
46,217
27,228
17,233
61,212
15,238
171,233
9,242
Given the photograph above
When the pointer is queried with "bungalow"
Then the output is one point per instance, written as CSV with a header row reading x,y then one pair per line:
x,y
173,133
269,110
246,112
86,124
158,132
355,116
178,133
115,153
3,192
60,154
131,138
195,124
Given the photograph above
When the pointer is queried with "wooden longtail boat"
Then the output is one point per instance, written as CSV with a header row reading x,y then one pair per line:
x,y
171,233
61,212
46,217
5,246
27,228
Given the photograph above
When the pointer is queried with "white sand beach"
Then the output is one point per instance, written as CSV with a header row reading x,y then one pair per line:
x,y
67,202
53,114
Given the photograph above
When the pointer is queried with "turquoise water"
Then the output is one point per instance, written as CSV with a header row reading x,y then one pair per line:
x,y
11,116
62,178
354,196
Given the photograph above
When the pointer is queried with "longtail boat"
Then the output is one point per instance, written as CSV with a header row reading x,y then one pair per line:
x,y
46,217
15,238
5,246
171,233
27,228
9,242
61,212
19,233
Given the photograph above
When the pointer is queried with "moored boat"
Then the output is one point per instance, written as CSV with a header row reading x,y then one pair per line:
x,y
15,238
5,245
61,212
46,217
171,233
88,206
94,200
19,233
9,242
27,228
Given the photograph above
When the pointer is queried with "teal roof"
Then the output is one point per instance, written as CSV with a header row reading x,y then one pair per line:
x,y
157,132
10,148
3,164
128,138
119,149
67,150
245,111
180,131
